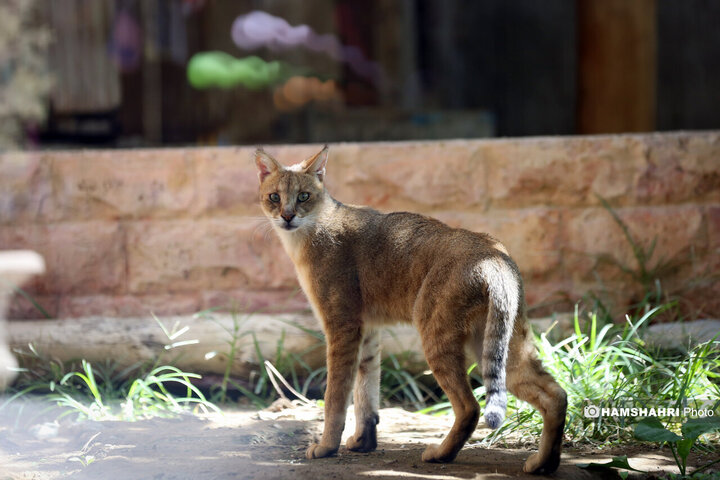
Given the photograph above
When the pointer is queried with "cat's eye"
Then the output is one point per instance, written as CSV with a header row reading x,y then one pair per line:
x,y
303,196
274,197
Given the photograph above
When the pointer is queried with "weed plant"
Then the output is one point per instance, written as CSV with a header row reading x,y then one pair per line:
x,y
610,366
259,388
298,378
107,392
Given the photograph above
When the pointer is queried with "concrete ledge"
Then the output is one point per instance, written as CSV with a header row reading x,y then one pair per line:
x,y
196,343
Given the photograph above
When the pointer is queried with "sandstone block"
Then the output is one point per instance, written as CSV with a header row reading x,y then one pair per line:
x,y
713,225
124,184
408,176
553,293
680,167
618,296
713,216
227,180
83,257
564,172
128,305
532,236
21,308
25,189
596,243
216,253
262,301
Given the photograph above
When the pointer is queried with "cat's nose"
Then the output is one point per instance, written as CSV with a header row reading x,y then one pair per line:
x,y
288,217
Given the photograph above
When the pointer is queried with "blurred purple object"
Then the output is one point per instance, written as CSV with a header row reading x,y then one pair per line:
x,y
126,42
259,29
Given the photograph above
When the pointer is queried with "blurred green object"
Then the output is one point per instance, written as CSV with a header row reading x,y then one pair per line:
x,y
219,69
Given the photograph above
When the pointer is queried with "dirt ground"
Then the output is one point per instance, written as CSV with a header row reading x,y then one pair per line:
x,y
258,445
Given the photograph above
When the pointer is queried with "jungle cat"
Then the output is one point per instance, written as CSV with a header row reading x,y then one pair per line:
x,y
362,269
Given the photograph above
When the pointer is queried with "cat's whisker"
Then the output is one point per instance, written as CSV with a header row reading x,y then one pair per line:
x,y
261,225
255,231
267,233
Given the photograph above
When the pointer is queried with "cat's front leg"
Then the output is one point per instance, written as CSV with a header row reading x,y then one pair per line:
x,y
343,343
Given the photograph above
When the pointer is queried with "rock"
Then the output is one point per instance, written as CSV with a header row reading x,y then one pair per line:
x,y
682,336
45,431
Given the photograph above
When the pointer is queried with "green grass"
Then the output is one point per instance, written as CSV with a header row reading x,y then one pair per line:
x,y
400,387
287,374
610,366
148,396
107,391
158,388
288,369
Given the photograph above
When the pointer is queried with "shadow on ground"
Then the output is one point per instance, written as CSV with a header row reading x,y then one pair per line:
x,y
250,445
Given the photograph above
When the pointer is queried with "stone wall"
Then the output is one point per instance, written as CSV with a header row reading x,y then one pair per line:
x,y
126,232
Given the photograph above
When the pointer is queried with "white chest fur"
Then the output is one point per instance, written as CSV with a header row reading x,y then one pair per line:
x,y
304,277
294,243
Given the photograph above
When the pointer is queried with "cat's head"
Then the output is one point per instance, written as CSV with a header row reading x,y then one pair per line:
x,y
291,197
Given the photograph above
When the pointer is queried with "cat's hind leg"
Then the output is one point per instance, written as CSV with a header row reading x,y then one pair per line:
x,y
528,381
367,395
444,351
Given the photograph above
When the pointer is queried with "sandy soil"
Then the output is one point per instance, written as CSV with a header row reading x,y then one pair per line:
x,y
257,445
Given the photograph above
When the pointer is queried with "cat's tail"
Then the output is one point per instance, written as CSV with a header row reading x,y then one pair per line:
x,y
504,297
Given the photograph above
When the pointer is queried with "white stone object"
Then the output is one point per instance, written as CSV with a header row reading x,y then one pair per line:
x,y
16,266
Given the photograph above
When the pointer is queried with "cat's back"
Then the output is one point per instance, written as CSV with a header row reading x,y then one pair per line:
x,y
406,233
395,254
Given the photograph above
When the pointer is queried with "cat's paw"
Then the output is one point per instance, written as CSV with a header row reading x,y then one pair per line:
x,y
538,465
435,454
318,451
362,443
365,438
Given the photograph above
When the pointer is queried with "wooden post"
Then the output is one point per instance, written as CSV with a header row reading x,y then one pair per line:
x,y
617,65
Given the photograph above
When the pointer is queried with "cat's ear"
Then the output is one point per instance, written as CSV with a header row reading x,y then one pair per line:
x,y
265,164
316,164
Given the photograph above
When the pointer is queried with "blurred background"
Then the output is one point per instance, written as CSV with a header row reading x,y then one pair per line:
x,y
126,73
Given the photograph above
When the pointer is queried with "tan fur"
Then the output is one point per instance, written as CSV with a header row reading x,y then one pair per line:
x,y
362,269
